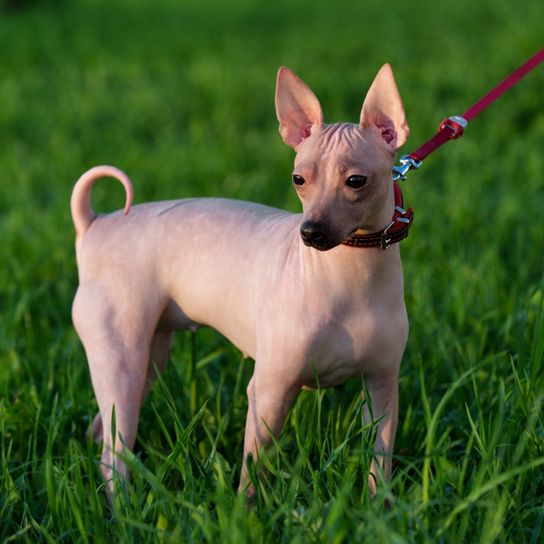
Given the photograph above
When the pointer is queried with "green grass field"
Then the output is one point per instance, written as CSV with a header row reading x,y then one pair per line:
x,y
180,95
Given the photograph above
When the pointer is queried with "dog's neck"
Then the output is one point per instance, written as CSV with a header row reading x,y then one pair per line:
x,y
379,220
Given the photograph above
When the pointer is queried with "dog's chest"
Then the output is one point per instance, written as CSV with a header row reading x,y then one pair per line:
x,y
362,341
335,316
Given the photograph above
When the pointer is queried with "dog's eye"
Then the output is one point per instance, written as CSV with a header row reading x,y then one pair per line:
x,y
298,180
356,182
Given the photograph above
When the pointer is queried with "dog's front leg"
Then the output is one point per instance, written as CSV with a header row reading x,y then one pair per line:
x,y
382,406
269,400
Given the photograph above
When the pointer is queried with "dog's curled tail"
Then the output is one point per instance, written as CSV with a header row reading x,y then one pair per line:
x,y
80,204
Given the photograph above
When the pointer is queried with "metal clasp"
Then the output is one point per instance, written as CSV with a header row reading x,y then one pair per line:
x,y
385,241
406,163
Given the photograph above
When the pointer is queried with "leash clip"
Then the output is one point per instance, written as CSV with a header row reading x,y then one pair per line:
x,y
406,163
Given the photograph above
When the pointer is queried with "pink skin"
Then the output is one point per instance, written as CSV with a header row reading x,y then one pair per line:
x,y
244,270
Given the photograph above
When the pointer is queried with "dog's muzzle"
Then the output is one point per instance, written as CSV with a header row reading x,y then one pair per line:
x,y
317,235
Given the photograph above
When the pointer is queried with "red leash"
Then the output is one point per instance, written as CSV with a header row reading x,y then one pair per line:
x,y
453,127
450,129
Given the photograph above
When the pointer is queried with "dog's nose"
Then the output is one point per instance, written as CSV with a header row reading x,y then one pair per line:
x,y
312,232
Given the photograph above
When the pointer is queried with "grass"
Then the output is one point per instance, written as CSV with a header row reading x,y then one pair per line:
x,y
181,97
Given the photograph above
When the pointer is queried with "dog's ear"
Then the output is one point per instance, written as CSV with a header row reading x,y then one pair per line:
x,y
383,109
297,108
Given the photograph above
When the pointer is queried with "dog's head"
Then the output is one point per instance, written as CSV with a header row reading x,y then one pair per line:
x,y
342,171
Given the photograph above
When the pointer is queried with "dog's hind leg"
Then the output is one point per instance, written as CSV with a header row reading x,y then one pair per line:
x,y
161,346
117,340
118,389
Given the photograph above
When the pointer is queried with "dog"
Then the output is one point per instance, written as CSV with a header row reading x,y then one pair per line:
x,y
306,295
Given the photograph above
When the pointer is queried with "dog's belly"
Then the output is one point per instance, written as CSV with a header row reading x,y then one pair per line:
x,y
242,336
340,351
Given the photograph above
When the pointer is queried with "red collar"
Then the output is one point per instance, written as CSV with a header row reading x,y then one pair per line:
x,y
396,231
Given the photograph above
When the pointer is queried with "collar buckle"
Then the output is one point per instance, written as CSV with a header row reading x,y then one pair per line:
x,y
384,240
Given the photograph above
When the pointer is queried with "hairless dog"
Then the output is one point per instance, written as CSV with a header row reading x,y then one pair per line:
x,y
284,288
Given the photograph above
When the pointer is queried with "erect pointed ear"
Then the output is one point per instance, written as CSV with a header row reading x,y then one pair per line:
x,y
297,108
383,109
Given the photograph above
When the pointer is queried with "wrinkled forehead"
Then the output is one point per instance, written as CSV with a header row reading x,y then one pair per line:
x,y
345,145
